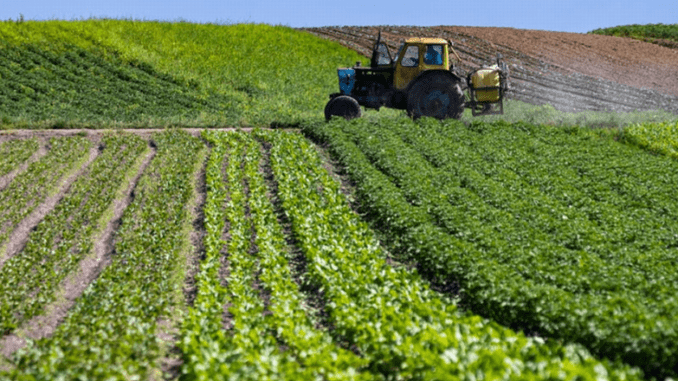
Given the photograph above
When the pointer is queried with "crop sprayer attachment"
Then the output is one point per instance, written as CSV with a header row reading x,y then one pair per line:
x,y
419,79
486,89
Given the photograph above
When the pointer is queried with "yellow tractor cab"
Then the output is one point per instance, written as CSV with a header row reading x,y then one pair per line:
x,y
419,79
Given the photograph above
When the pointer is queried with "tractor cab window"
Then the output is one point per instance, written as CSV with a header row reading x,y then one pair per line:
x,y
411,56
382,55
434,55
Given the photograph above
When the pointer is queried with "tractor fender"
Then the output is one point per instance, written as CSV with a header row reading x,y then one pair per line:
x,y
436,93
427,73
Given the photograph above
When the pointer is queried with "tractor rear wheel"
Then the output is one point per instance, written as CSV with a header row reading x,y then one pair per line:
x,y
438,96
344,106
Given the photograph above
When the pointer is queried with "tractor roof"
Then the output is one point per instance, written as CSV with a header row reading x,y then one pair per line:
x,y
426,40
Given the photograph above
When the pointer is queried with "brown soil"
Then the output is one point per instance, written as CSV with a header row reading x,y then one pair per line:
x,y
19,236
44,325
571,71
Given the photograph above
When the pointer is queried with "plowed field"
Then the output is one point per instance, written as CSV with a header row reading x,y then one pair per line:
x,y
571,71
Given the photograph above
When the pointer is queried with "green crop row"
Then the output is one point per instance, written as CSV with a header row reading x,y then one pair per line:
x,y
546,229
31,187
202,327
15,152
388,314
660,138
249,350
255,246
111,331
29,279
38,84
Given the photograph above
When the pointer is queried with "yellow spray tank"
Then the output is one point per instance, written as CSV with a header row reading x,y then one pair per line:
x,y
486,88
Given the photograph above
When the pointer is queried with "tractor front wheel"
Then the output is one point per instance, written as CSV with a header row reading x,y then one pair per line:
x,y
343,106
438,96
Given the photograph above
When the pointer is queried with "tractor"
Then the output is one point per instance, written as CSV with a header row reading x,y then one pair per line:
x,y
421,80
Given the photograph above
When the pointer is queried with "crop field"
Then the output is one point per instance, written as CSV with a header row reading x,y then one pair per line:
x,y
279,279
550,230
539,244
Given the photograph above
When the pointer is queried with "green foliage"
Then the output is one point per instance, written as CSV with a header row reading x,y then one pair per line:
x,y
547,229
28,280
660,138
100,73
30,188
15,152
663,31
404,330
73,86
110,333
256,253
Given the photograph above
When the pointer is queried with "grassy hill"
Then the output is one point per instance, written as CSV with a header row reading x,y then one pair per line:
x,y
661,34
109,73
121,73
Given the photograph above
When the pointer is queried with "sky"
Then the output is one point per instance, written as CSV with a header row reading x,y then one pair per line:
x,y
579,16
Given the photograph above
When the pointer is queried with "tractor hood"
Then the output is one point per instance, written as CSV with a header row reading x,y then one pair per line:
x,y
346,80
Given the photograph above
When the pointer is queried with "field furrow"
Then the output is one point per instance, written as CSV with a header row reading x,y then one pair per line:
x,y
111,330
90,266
58,243
41,179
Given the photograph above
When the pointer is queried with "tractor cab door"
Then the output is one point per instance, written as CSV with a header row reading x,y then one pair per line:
x,y
407,67
380,54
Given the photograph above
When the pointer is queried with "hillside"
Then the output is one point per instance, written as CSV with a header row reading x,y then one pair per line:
x,y
123,73
116,73
573,72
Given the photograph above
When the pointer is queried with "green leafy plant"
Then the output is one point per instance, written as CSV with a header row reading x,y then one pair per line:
x,y
29,280
41,178
114,73
111,331
545,229
15,152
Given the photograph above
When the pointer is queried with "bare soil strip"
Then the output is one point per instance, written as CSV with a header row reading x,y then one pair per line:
x,y
72,287
42,151
17,240
168,330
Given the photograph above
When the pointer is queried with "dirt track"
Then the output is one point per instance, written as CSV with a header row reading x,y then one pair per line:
x,y
571,71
